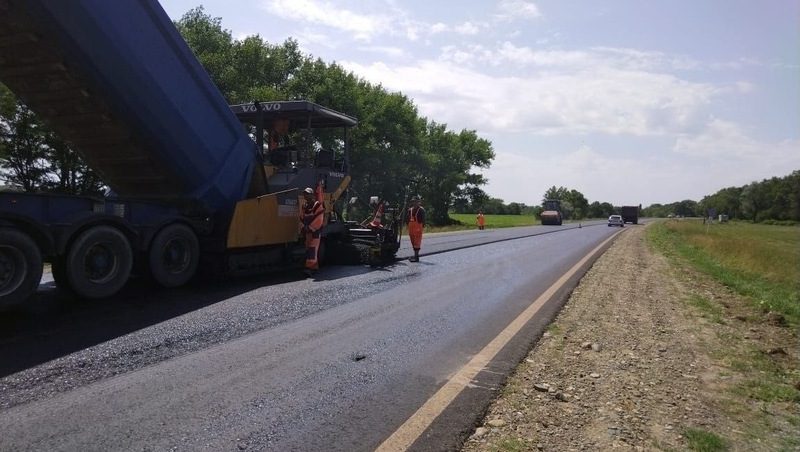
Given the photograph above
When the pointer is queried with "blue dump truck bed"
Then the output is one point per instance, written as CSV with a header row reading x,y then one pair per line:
x,y
117,81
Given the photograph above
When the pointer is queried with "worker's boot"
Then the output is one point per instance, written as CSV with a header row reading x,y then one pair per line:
x,y
416,256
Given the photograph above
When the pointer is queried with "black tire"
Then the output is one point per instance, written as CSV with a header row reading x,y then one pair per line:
x,y
20,267
59,269
174,255
99,262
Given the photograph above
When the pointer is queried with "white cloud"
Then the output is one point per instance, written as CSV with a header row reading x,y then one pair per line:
x,y
595,174
587,97
517,9
394,52
307,37
438,27
727,141
362,26
467,28
509,55
745,87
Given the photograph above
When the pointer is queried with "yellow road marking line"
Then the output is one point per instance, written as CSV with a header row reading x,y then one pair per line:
x,y
412,428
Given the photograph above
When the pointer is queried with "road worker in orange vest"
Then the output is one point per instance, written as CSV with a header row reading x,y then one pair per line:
x,y
312,220
481,220
415,218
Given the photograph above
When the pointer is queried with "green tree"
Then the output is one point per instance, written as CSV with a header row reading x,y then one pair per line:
x,y
23,154
753,201
449,158
494,206
515,208
213,47
573,203
579,203
688,208
793,187
36,159
554,192
69,172
600,210
726,201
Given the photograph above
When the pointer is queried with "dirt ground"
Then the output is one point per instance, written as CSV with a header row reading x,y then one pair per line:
x,y
634,362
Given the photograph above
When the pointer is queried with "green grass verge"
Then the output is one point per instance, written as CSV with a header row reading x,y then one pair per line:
x,y
711,310
468,222
758,261
768,391
512,445
495,221
703,441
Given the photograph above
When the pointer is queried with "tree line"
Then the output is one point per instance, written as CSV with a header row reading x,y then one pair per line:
x,y
396,152
776,199
574,205
35,159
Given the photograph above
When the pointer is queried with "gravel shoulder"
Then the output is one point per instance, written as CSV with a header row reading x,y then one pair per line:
x,y
634,362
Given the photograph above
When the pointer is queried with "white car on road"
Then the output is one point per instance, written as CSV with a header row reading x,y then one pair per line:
x,y
616,220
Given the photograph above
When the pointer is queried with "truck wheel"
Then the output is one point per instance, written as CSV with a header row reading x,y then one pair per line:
x,y
20,267
99,262
59,269
174,255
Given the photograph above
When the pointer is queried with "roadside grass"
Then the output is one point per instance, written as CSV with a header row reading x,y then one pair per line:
x,y
703,441
555,330
468,221
711,310
767,391
761,262
512,445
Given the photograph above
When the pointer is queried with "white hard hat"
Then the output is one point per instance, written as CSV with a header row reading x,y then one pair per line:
x,y
309,190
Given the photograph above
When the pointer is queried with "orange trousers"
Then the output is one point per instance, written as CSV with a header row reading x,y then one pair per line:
x,y
312,250
415,234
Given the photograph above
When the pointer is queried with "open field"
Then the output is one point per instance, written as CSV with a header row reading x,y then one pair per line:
x,y
761,262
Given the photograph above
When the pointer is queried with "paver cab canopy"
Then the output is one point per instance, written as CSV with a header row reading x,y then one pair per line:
x,y
298,116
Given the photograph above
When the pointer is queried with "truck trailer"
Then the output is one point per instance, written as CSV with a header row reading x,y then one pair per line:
x,y
194,183
630,214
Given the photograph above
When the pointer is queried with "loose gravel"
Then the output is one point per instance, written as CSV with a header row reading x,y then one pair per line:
x,y
628,364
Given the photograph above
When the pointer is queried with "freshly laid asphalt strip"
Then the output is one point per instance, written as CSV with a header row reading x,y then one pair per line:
x,y
336,364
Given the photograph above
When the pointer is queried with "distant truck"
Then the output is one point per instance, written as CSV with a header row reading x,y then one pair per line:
x,y
630,214
551,212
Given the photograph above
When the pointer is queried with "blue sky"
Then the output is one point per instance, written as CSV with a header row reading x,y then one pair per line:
x,y
627,101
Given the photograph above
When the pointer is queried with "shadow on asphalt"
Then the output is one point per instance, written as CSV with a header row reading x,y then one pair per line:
x,y
54,324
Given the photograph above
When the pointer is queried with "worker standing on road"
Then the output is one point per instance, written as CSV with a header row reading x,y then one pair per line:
x,y
481,220
415,219
312,219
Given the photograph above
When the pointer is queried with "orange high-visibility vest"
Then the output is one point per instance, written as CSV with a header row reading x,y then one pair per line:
x,y
313,217
376,220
